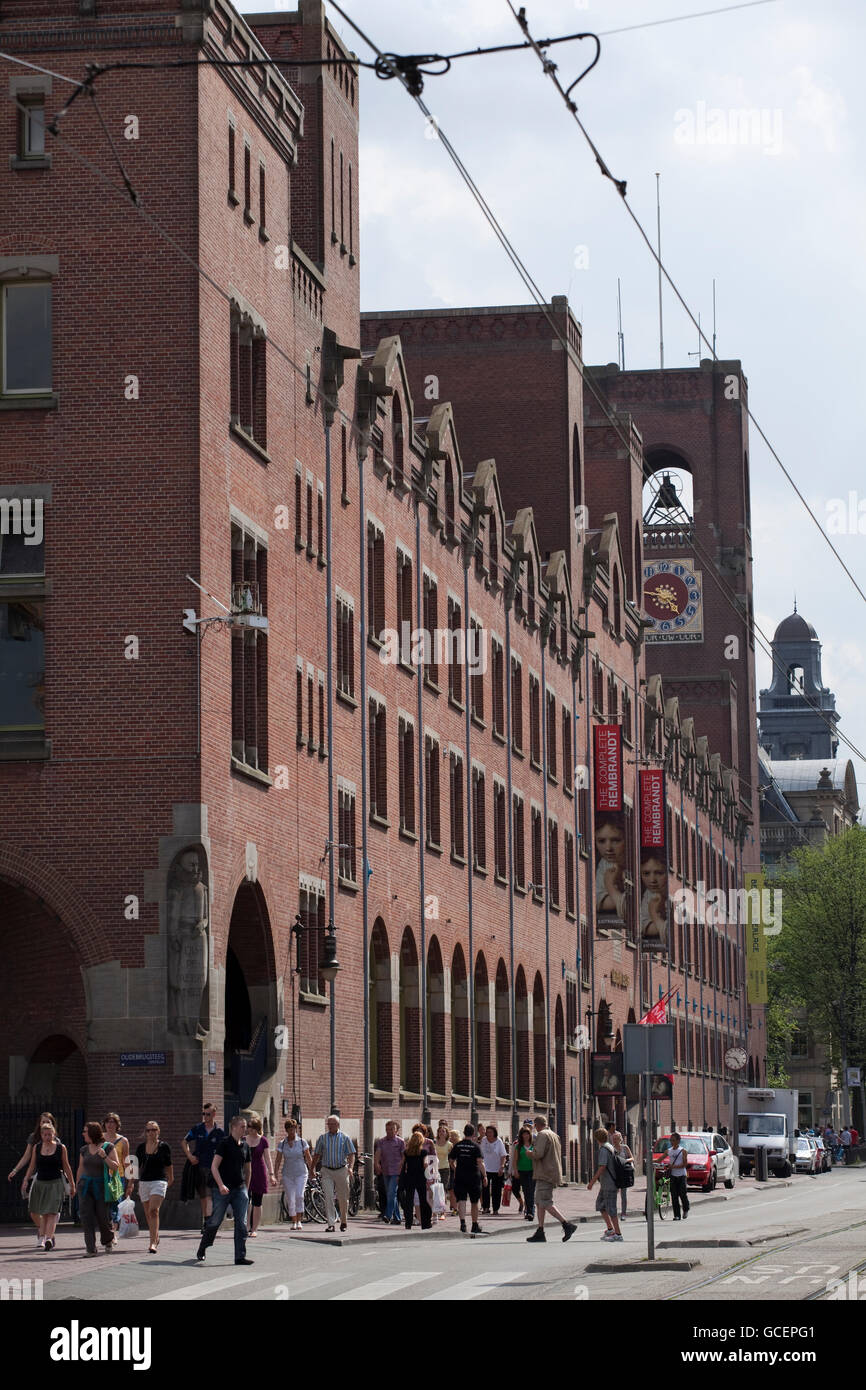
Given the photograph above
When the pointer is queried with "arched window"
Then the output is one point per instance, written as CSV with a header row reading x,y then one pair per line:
x,y
450,531
539,1039
397,438
524,1078
459,1024
410,1015
381,1073
435,1019
482,1028
494,550
617,603
503,1032
530,591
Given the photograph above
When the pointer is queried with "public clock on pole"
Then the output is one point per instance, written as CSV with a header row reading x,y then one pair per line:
x,y
735,1058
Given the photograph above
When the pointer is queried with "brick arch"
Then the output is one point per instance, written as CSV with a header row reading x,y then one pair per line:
x,y
410,1013
53,889
435,1004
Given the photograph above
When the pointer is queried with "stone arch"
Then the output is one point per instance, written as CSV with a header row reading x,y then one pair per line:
x,y
437,1008
251,1003
503,1032
52,888
460,1071
559,1073
410,1014
381,1027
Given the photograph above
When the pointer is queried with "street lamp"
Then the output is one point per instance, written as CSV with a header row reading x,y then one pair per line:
x,y
330,965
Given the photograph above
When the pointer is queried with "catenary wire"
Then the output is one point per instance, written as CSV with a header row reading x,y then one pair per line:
x,y
620,185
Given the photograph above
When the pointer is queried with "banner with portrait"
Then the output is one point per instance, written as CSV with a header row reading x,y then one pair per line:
x,y
613,855
655,910
608,1074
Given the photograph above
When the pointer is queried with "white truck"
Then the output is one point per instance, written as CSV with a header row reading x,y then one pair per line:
x,y
767,1119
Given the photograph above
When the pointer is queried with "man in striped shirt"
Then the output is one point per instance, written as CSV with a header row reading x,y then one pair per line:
x,y
334,1156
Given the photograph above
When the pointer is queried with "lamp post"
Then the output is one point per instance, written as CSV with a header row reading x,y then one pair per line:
x,y
328,969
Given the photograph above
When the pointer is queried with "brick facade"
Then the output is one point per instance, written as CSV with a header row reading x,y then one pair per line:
x,y
203,762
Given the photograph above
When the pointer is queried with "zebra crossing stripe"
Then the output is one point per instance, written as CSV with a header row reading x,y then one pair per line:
x,y
475,1287
395,1283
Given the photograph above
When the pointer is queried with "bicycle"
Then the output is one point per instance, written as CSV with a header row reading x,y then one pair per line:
x,y
662,1195
356,1184
314,1200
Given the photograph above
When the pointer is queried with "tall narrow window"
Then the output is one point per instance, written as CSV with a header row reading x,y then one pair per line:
x,y
233,197
566,751
345,647
455,771
299,700
479,822
344,465
346,832
351,219
249,653
31,126
299,506
323,747
518,831
432,757
404,600
406,753
553,861
248,184
500,838
397,439
551,734
262,222
25,339
534,721
320,521
494,552
375,582
455,646
342,219
378,754
333,198
516,705
431,609
498,678
568,842
537,833
310,550
476,677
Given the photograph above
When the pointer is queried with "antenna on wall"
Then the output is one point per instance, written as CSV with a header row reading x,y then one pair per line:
x,y
619,335
698,353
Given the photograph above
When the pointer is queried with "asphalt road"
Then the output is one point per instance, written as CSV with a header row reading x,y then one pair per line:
x,y
806,1235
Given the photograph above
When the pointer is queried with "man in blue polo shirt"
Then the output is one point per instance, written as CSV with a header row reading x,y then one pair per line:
x,y
204,1139
334,1157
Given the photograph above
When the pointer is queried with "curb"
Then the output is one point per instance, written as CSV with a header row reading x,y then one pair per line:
x,y
642,1266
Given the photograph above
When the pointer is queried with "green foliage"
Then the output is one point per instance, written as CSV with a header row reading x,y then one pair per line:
x,y
819,959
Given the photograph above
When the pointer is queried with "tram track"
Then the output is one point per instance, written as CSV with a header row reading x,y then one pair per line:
x,y
772,1252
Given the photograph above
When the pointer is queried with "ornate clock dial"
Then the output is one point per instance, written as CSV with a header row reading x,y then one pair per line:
x,y
735,1058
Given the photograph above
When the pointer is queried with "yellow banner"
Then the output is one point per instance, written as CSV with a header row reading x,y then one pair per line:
x,y
756,941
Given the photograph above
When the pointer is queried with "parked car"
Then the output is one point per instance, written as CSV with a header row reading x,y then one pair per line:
x,y
806,1155
700,1163
824,1153
724,1158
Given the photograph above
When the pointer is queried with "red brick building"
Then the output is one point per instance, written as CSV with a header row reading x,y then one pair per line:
x,y
195,395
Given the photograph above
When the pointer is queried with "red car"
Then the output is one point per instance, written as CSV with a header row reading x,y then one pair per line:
x,y
700,1171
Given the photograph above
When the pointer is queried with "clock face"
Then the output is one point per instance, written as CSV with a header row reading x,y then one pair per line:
x,y
673,599
735,1058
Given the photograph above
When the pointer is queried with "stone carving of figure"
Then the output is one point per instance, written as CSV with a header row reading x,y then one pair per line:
x,y
187,943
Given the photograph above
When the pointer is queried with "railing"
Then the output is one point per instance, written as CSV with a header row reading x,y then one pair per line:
x,y
306,288
668,537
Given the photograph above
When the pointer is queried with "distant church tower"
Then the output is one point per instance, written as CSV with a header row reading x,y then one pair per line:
x,y
797,715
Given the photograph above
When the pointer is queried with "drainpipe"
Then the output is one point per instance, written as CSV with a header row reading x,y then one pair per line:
x,y
591,914
419,679
470,851
543,712
506,661
361,628
686,927
329,620
575,790
715,960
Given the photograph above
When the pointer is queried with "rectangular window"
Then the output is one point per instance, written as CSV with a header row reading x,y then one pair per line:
x,y
323,746
455,644
299,700
498,677
406,753
455,768
583,820
262,223
22,662
299,493
432,756
516,706
26,339
310,514
346,834
404,597
320,521
479,822
568,839
553,861
537,852
476,678
375,582
567,782
378,754
311,943
500,837
249,652
585,952
344,465
311,712
248,184
519,833
534,721
31,126
551,735
345,647
232,137
248,372
431,610
570,1009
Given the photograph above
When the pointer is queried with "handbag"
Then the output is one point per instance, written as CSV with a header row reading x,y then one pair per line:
x,y
506,1193
113,1183
437,1196
127,1218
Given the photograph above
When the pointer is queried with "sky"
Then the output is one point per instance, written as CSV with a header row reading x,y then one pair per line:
x,y
771,208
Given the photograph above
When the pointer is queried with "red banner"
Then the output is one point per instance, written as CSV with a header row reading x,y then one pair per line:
x,y
607,739
652,808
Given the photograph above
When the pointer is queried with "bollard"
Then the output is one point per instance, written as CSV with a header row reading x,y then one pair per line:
x,y
762,1168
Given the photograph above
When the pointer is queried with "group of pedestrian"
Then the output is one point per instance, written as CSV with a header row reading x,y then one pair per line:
x,y
841,1143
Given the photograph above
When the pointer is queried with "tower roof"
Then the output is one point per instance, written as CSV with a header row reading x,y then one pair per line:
x,y
794,629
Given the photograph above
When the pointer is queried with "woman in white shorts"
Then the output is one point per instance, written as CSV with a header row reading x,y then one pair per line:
x,y
294,1164
155,1176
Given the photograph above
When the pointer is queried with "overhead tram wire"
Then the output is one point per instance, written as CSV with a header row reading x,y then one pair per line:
x,y
540,300
321,395
549,69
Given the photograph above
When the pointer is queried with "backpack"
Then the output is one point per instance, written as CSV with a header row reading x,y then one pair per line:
x,y
621,1172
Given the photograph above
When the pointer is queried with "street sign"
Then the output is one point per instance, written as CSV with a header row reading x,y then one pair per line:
x,y
142,1059
648,1047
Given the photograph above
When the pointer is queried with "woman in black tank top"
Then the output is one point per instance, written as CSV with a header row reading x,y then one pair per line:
x,y
50,1163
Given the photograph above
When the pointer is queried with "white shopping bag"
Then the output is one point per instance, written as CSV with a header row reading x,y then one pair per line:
x,y
437,1196
126,1217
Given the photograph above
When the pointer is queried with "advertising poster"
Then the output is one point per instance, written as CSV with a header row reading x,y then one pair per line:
x,y
608,1074
655,908
611,840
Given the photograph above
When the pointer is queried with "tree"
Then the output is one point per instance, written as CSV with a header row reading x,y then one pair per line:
x,y
821,952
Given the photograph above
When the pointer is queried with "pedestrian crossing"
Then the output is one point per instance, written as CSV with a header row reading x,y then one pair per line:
x,y
344,1286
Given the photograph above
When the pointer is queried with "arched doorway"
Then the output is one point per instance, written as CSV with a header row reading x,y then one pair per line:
x,y
559,1075
249,1058
410,1015
503,1033
435,1031
524,1054
459,1024
381,1060
539,1039
482,1028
